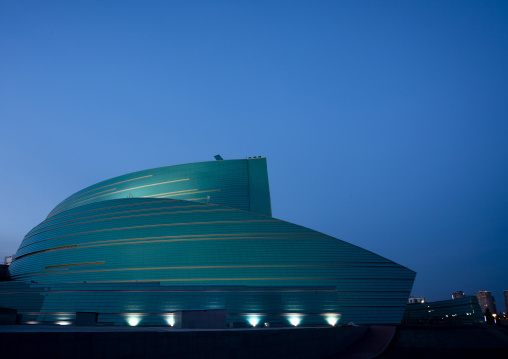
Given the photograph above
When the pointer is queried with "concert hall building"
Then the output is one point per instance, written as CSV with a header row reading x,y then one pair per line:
x,y
139,247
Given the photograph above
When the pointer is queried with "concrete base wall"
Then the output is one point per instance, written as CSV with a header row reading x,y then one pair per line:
x,y
8,316
304,343
4,272
86,319
200,319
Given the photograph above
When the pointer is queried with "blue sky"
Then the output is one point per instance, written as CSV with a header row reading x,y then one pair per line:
x,y
385,123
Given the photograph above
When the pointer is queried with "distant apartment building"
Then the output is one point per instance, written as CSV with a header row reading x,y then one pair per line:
x,y
486,300
459,294
8,260
505,296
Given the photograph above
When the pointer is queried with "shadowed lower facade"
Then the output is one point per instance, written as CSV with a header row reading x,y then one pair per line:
x,y
139,247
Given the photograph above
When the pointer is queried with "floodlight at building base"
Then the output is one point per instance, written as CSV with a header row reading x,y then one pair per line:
x,y
253,320
133,320
63,322
332,320
170,320
294,320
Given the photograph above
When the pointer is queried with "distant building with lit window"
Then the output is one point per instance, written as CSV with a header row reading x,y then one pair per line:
x,y
453,311
8,260
486,300
505,296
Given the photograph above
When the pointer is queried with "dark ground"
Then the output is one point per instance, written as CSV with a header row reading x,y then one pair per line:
x,y
69,342
363,342
448,341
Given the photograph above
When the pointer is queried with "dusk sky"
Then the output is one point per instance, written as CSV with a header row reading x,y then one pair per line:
x,y
384,123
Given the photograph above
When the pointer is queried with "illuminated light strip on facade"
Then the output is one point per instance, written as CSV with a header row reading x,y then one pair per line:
x,y
131,216
130,189
75,264
90,195
234,279
72,200
112,184
140,241
219,235
46,250
75,197
166,268
108,214
171,290
189,193
160,239
148,226
170,193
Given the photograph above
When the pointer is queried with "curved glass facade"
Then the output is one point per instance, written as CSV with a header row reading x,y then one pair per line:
x,y
196,236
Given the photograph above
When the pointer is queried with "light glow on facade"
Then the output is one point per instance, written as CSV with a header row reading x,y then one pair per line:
x,y
170,319
295,320
332,320
133,320
253,320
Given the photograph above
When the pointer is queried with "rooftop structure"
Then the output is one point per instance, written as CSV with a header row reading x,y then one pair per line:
x,y
459,294
413,300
